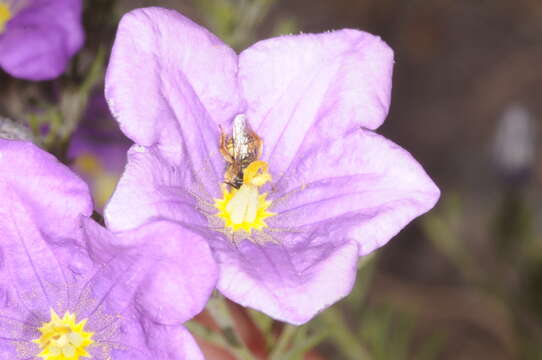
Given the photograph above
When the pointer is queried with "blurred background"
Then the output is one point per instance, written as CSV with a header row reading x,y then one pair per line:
x,y
462,282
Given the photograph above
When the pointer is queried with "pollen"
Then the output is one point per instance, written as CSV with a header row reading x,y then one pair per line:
x,y
245,208
63,338
5,16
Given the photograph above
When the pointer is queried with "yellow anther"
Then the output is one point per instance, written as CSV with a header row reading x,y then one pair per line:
x,y
5,16
256,173
245,208
63,338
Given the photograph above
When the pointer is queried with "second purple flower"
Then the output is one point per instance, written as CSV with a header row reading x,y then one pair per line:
x,y
71,290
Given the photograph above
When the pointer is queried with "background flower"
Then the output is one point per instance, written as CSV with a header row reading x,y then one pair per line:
x,y
339,191
97,151
40,37
133,292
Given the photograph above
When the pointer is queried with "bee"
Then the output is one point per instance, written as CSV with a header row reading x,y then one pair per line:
x,y
239,150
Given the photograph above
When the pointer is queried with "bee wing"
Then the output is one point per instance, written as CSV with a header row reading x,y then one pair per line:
x,y
240,136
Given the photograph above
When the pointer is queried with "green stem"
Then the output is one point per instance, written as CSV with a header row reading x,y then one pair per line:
x,y
218,309
283,341
303,343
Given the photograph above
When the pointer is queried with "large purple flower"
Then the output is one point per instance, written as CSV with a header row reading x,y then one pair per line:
x,y
38,37
287,225
69,288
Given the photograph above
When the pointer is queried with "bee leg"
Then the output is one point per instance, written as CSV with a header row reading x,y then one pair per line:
x,y
260,146
223,146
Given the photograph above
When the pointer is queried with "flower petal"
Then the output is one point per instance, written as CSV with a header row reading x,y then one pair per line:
x,y
330,83
363,184
172,342
30,266
153,187
141,339
18,323
164,270
288,284
170,81
7,350
41,38
52,195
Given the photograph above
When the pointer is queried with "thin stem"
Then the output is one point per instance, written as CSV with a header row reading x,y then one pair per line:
x,y
303,343
218,309
283,341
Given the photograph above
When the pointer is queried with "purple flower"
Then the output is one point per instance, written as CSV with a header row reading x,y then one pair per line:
x,y
286,224
69,288
38,37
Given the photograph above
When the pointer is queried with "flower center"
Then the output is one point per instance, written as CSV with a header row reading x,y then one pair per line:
x,y
5,16
63,339
245,208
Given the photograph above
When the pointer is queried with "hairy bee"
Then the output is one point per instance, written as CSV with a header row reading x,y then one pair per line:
x,y
239,150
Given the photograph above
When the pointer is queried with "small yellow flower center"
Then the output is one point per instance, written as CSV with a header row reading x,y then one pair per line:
x,y
245,208
5,16
63,339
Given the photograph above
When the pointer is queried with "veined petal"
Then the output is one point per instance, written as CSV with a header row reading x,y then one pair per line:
x,y
41,38
288,284
29,263
305,89
170,81
363,184
16,326
153,187
52,195
166,271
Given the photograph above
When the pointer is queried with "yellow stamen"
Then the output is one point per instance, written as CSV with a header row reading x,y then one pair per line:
x,y
63,339
256,173
5,16
245,208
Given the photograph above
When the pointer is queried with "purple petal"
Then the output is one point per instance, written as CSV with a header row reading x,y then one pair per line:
x,y
41,38
153,187
53,196
18,321
141,339
170,81
30,266
173,342
166,270
329,83
363,184
288,284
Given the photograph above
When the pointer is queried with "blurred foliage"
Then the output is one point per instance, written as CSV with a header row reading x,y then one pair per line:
x,y
511,271
237,22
